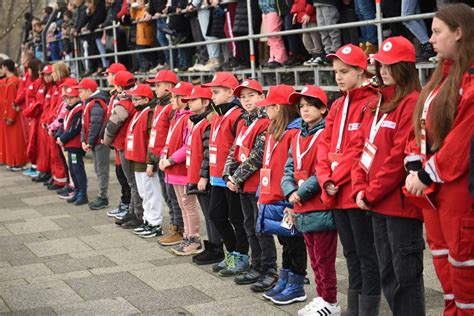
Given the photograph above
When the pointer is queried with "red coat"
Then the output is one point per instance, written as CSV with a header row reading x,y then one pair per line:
x,y
137,136
221,140
360,99
23,88
261,124
302,8
276,165
383,184
3,82
159,128
195,151
176,137
120,138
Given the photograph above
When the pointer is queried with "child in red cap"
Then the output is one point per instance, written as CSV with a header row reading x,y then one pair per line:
x,y
199,102
241,174
273,213
149,223
301,188
333,169
225,209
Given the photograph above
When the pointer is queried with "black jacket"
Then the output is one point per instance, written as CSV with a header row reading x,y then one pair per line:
x,y
96,120
156,6
241,25
112,12
96,18
81,18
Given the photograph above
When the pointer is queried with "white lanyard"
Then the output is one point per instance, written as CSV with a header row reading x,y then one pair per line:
x,y
268,151
343,123
299,154
241,138
424,116
136,117
170,133
155,121
193,129
68,117
376,125
216,130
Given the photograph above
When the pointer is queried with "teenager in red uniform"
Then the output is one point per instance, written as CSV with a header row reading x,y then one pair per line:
x,y
242,175
3,80
69,137
335,158
110,73
93,118
378,178
163,81
301,188
197,163
138,134
285,123
15,143
225,209
25,82
439,159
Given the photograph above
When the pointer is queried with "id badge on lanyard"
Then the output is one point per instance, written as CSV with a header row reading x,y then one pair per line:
x,y
152,138
370,149
244,154
130,142
213,155
334,157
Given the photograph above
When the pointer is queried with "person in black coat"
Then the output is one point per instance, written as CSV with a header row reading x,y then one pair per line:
x,y
241,28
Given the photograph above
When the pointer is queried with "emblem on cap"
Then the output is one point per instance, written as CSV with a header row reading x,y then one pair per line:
x,y
178,85
304,90
387,46
245,83
346,50
214,78
69,90
192,91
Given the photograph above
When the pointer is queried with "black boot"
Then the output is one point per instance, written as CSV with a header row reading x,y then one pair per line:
x,y
266,282
369,305
426,52
352,303
211,254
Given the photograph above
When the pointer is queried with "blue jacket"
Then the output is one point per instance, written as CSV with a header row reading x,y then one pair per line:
x,y
267,6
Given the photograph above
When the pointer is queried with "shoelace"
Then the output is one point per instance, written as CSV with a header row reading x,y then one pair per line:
x,y
231,262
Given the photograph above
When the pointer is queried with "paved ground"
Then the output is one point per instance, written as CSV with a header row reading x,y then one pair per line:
x,y
60,259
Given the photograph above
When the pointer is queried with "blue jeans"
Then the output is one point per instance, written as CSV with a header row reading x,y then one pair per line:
x,y
365,10
101,48
78,172
416,27
163,40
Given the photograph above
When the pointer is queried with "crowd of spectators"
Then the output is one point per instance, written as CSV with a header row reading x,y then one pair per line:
x,y
152,23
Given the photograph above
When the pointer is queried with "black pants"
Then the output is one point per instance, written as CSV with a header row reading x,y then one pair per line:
x,y
176,216
392,9
354,227
262,246
294,255
212,233
399,244
78,172
295,43
226,213
125,188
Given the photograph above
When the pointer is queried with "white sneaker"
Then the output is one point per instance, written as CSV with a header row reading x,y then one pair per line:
x,y
211,65
313,304
157,68
325,308
309,62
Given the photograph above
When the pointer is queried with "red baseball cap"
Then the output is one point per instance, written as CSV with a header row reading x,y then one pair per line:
x,y
164,76
197,93
278,94
395,50
249,84
69,82
142,90
87,84
71,92
124,79
310,91
182,88
351,55
47,69
223,79
115,68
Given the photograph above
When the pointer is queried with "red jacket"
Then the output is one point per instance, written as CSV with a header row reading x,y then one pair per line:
x,y
383,184
137,136
159,128
177,135
302,8
23,88
11,87
359,100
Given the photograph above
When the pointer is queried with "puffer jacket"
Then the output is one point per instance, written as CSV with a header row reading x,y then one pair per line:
x,y
96,119
216,24
241,18
270,217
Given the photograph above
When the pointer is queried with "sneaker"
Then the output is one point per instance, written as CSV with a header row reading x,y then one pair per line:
x,y
34,174
180,247
192,246
231,64
173,237
310,62
292,61
122,207
237,264
54,187
152,231
140,229
121,215
309,307
211,254
266,281
293,292
157,68
132,224
72,198
223,264
426,52
127,217
195,67
64,193
321,307
279,286
99,203
29,171
211,65
251,276
42,177
48,182
81,200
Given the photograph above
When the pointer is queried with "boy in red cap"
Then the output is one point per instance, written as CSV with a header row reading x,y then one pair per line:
x,y
93,118
225,209
163,81
333,168
69,136
241,174
119,114
300,186
148,224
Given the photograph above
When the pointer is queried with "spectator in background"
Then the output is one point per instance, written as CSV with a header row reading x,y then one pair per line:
x,y
365,10
46,13
79,16
215,29
27,28
179,24
392,9
96,14
201,52
145,37
37,29
213,50
273,23
328,14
